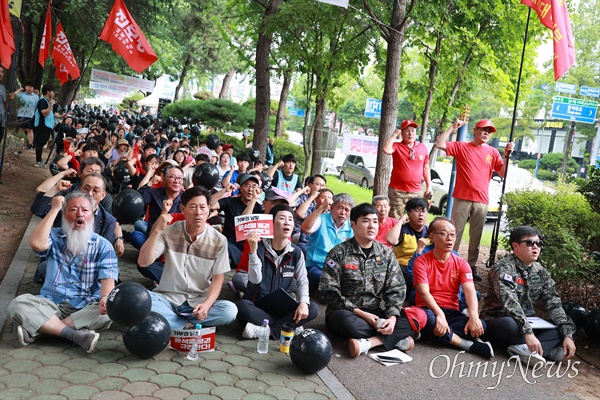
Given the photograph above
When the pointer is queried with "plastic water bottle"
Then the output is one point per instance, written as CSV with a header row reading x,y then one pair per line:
x,y
193,353
263,338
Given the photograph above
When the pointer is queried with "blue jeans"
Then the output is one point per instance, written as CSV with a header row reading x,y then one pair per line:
x,y
314,276
222,312
138,237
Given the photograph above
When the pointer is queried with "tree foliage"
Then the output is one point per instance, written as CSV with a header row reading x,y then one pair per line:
x,y
215,113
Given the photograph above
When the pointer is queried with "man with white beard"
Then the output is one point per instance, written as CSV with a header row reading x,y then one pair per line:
x,y
81,271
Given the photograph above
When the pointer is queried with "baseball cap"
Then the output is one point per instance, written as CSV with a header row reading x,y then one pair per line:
x,y
227,146
407,123
245,177
175,139
276,194
486,123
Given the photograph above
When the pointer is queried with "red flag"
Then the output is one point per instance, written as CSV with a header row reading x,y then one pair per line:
x,y
7,39
553,15
63,57
45,44
127,39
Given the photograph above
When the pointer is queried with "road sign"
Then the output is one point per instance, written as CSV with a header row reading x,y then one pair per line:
x,y
373,108
290,103
589,91
565,88
571,112
576,102
298,112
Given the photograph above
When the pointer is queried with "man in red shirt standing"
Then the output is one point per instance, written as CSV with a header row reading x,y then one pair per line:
x,y
475,163
410,166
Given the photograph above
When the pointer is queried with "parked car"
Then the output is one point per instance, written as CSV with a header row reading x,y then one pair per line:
x,y
359,169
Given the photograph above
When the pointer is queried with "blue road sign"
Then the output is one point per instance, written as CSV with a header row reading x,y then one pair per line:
x,y
565,88
298,112
571,112
589,91
373,108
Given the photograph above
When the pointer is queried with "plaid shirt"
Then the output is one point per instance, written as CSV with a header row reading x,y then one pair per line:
x,y
77,280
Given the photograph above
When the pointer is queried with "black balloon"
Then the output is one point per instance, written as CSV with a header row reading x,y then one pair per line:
x,y
113,120
149,337
206,175
174,123
310,351
92,114
149,139
212,141
129,121
169,120
183,121
577,312
254,154
195,131
128,206
121,173
267,181
145,123
128,304
138,130
111,127
592,325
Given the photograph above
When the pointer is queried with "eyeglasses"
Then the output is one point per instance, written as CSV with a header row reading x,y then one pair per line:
x,y
419,211
445,235
531,243
412,154
175,178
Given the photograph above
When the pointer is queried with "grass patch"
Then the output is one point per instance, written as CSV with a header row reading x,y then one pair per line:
x,y
359,194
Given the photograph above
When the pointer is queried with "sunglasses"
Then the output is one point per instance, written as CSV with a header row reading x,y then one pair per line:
x,y
412,154
531,243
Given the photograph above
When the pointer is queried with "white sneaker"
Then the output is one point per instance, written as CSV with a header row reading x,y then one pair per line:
x,y
556,354
526,357
25,338
251,331
358,347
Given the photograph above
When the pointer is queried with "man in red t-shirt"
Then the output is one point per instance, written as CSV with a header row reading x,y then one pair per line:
x,y
410,167
438,275
382,205
475,163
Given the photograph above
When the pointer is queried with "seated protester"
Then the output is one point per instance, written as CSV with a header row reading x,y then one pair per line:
x,y
150,166
327,227
228,148
258,166
404,236
86,167
515,285
188,173
364,290
438,275
110,143
71,159
386,223
195,264
155,197
322,196
245,203
180,158
243,162
167,152
305,204
275,264
223,168
285,178
239,281
118,153
82,269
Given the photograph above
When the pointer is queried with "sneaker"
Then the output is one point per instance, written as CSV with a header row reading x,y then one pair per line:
x,y
39,164
86,339
25,338
29,146
251,331
233,288
406,344
556,354
525,356
481,348
358,347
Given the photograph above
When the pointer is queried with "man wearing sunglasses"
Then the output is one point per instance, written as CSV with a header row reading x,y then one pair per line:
x,y
411,166
515,284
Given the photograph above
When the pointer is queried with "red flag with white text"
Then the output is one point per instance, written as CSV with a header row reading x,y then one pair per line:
x,y
45,44
7,38
127,39
64,60
553,14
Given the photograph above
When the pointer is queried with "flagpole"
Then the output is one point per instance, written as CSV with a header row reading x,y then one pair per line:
x,y
496,231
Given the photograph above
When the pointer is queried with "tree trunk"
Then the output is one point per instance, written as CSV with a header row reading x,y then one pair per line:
x,y
321,107
184,72
224,94
263,88
568,148
67,91
283,96
433,62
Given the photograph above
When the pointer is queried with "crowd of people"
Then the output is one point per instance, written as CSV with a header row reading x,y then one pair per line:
x,y
386,276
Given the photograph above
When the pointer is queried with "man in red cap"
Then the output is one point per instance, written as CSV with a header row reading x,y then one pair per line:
x,y
411,166
475,163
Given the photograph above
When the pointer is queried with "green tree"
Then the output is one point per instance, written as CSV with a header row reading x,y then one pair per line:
x,y
216,113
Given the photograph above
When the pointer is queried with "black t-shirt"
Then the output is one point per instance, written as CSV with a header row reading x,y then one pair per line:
x,y
233,207
41,106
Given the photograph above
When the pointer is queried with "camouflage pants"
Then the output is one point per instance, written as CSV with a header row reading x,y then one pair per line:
x,y
398,201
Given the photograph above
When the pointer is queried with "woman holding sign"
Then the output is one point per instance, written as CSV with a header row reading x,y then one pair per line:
x,y
277,280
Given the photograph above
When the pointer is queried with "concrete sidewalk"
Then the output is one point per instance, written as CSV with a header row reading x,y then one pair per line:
x,y
56,369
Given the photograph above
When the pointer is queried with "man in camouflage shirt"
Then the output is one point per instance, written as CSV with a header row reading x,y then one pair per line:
x,y
359,276
515,284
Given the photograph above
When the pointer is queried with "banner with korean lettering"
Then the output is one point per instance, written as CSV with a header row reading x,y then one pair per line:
x,y
7,39
553,14
127,39
45,43
64,60
262,224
